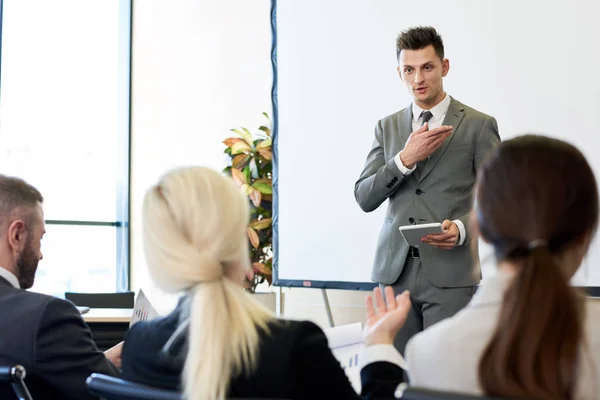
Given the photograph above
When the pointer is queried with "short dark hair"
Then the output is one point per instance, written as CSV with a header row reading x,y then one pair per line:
x,y
418,38
17,194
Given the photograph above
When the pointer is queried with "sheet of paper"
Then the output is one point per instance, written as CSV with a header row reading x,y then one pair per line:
x,y
346,345
143,309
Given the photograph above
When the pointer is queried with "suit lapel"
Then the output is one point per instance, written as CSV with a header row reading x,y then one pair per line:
x,y
454,116
404,127
4,282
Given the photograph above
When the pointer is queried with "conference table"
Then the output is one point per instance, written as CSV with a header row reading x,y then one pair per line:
x,y
108,325
108,315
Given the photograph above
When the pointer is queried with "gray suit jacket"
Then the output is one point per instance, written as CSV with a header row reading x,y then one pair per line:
x,y
443,190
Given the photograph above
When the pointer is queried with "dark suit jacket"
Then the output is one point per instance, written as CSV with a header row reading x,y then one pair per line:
x,y
441,190
48,337
295,362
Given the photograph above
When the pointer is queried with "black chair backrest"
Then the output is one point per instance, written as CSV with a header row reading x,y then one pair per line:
x,y
16,376
110,388
102,300
416,393
592,291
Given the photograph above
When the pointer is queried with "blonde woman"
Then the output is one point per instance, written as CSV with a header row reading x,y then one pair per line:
x,y
219,342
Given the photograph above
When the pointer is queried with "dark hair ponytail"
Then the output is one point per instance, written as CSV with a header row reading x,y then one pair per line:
x,y
533,352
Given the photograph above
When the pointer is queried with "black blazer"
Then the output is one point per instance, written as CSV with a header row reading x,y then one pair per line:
x,y
295,362
48,337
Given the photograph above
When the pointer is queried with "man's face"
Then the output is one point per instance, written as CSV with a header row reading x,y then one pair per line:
x,y
31,254
422,72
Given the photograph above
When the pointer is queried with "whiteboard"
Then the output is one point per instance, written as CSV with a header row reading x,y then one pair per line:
x,y
531,64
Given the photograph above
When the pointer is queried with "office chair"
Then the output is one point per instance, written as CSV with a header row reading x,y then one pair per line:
x,y
592,291
102,300
406,392
110,388
16,377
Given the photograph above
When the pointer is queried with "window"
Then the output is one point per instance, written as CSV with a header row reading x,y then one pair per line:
x,y
64,112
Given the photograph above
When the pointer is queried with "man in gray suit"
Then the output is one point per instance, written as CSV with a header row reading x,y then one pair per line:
x,y
424,160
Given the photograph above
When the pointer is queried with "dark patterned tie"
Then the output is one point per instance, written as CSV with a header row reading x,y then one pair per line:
x,y
425,117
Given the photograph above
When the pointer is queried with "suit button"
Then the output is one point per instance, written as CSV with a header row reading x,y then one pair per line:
x,y
419,192
411,220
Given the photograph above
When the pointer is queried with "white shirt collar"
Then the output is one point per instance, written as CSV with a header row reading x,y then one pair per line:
x,y
438,111
10,277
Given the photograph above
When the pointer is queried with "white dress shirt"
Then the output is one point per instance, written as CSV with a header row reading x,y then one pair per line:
x,y
382,352
438,114
10,277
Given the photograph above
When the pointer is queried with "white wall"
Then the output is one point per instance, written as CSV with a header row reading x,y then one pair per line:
x,y
199,69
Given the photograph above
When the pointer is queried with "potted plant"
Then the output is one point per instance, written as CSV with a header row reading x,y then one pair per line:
x,y
249,159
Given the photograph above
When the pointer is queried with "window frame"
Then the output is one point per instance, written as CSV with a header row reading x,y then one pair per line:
x,y
123,179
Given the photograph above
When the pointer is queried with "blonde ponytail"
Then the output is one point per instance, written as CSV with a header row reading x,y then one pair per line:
x,y
194,230
223,338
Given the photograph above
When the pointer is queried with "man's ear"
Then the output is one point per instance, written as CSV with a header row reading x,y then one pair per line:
x,y
445,67
399,73
17,234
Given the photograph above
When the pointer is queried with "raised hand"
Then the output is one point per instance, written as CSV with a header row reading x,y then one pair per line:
x,y
383,323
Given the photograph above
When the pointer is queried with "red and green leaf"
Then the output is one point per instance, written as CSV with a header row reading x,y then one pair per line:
x,y
266,154
261,268
240,160
231,141
260,224
266,130
253,236
268,181
240,147
238,176
256,197
264,144
262,187
244,134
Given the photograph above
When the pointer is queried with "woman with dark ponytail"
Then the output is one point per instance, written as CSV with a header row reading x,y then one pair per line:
x,y
527,333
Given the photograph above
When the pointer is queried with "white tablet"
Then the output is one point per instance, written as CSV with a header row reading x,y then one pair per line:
x,y
413,233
